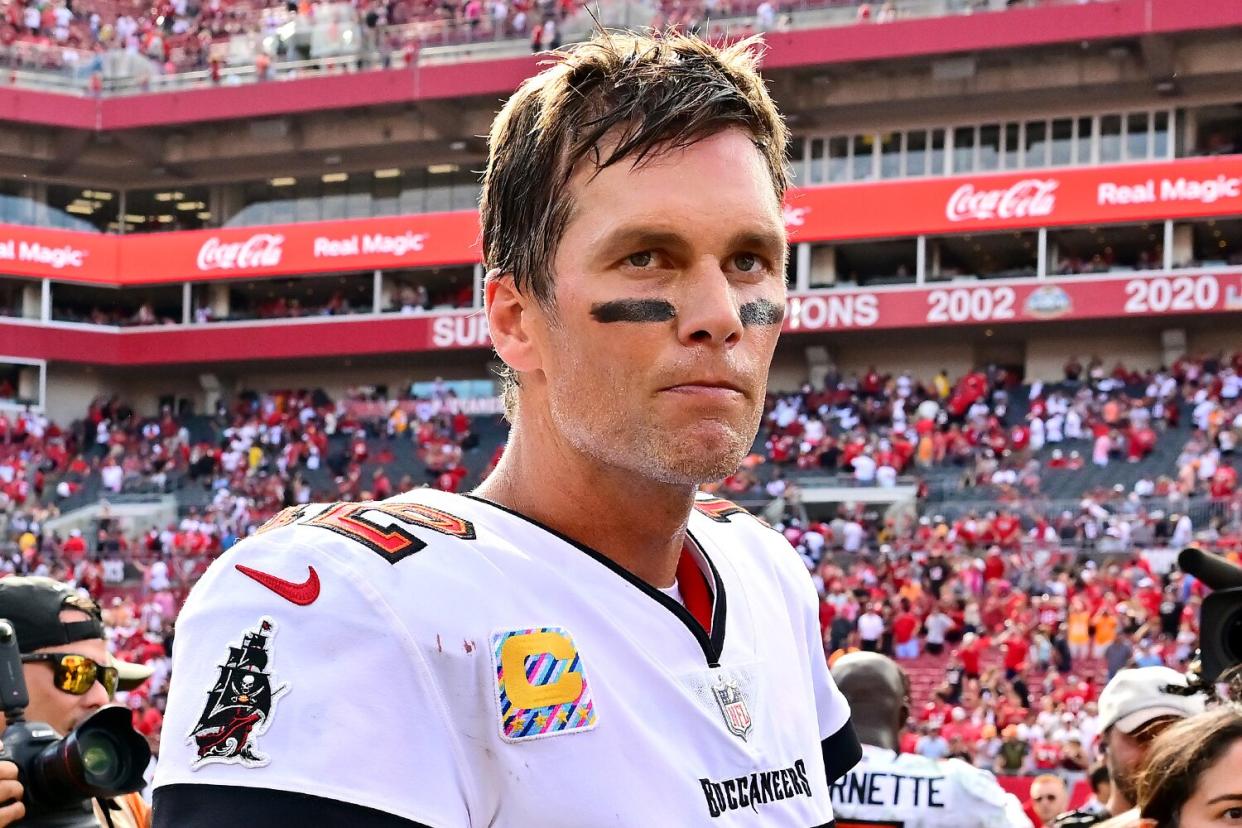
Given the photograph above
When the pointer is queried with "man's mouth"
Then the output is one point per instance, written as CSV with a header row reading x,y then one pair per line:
x,y
708,387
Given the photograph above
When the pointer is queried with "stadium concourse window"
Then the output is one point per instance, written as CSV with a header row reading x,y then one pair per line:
x,y
419,291
124,307
864,264
799,162
153,211
1107,249
303,296
985,147
1218,130
19,384
1209,243
344,195
982,256
74,208
21,298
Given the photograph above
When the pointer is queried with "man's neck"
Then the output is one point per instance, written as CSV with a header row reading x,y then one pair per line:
x,y
1117,803
877,736
637,523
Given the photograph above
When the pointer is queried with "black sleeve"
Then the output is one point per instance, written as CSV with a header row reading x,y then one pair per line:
x,y
842,750
211,806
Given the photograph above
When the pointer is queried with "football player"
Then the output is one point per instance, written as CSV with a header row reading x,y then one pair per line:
x,y
904,790
584,640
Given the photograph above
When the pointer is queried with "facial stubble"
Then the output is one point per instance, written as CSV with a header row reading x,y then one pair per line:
x,y
620,432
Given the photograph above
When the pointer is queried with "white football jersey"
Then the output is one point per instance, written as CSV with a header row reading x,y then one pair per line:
x,y
904,790
443,659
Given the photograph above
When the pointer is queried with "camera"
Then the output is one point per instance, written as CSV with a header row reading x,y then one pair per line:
x,y
102,757
1220,622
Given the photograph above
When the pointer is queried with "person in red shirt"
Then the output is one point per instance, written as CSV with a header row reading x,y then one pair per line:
x,y
961,727
74,548
1046,755
993,565
971,655
1006,528
1224,482
908,741
1019,438
905,633
1015,650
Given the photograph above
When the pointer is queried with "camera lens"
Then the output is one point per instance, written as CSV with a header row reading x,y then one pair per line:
x,y
101,759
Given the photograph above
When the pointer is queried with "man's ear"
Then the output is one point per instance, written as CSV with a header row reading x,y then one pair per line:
x,y
509,322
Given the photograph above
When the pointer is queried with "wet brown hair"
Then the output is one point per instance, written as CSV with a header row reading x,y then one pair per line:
x,y
1179,756
641,95
645,94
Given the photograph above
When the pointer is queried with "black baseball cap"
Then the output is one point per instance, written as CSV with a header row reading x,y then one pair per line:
x,y
33,605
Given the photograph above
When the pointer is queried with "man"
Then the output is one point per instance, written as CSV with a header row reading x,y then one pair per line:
x,y
1136,705
938,625
892,788
68,671
932,745
870,629
905,633
583,640
1118,654
1049,797
1101,788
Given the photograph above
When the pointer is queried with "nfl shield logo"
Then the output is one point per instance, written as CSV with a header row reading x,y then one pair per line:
x,y
733,707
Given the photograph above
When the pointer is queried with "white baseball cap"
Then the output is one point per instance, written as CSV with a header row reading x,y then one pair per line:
x,y
1140,695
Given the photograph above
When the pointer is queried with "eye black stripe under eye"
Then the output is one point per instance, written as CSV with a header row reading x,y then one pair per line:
x,y
633,310
761,312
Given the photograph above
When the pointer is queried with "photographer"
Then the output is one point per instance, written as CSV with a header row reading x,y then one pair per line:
x,y
1135,707
69,674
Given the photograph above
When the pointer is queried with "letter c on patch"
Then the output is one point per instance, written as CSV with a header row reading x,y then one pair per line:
x,y
513,655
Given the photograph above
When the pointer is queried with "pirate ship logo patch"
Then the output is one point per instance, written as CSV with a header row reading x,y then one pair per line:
x,y
239,705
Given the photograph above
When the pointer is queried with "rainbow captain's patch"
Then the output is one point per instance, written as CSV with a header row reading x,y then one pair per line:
x,y
541,686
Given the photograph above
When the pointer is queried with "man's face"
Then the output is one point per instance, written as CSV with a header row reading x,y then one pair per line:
x,y
1125,758
64,711
668,298
1049,798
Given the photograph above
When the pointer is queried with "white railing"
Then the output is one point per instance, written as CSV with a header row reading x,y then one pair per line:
x,y
68,71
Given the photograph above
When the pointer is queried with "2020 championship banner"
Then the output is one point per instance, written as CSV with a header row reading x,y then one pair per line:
x,y
1067,298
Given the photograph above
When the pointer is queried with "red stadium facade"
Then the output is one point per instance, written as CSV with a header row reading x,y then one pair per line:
x,y
945,194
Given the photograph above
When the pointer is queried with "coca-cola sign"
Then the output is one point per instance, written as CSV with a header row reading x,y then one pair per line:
x,y
258,251
1028,198
795,216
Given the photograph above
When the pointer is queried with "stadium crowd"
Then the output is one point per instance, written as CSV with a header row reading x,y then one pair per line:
x,y
1009,618
878,427
177,36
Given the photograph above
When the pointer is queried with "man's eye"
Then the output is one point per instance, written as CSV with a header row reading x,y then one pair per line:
x,y
642,259
746,262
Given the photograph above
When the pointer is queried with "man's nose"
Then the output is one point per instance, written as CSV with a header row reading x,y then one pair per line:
x,y
96,697
709,312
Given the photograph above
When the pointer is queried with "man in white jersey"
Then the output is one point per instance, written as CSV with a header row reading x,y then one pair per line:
x,y
584,640
903,790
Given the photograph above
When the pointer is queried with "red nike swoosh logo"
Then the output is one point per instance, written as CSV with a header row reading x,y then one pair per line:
x,y
300,594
